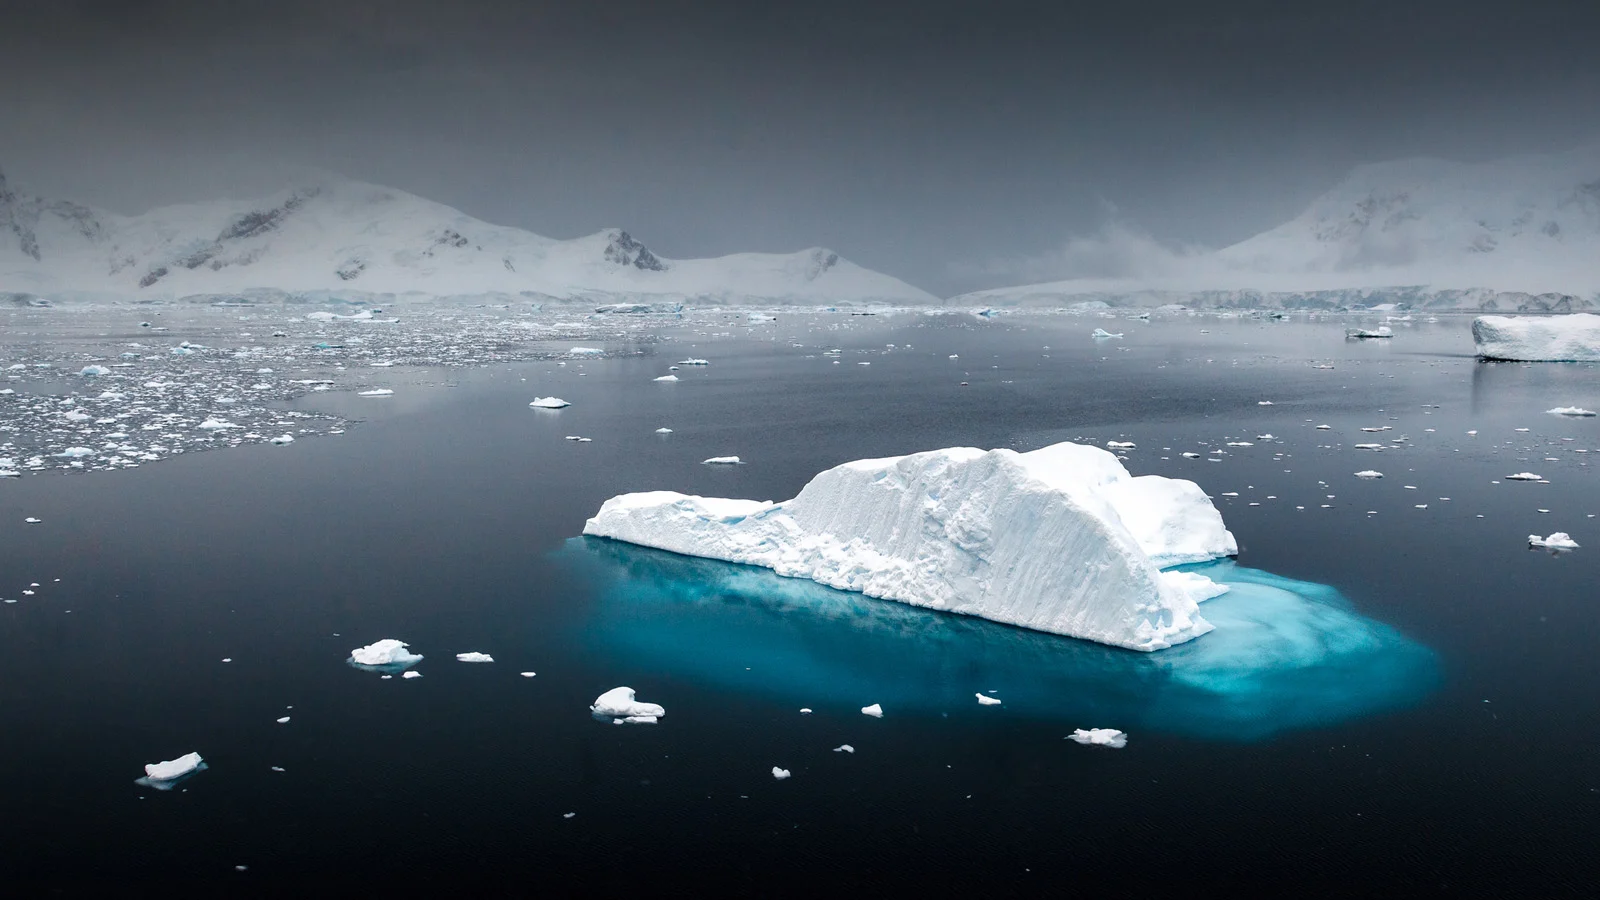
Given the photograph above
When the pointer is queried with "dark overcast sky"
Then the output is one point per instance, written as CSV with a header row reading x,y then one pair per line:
x,y
920,138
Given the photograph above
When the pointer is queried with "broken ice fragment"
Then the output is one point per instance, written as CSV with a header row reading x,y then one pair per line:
x,y
387,653
163,776
875,711
1102,737
988,701
1557,541
474,657
619,703
779,774
721,461
548,403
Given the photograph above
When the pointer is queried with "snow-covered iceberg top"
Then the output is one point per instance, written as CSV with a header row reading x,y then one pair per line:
x,y
1538,338
1062,539
621,706
387,652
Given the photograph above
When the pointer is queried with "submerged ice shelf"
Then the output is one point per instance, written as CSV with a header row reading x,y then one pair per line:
x,y
1062,539
1284,654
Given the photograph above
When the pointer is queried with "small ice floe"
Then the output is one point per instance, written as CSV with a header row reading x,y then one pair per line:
x,y
844,748
805,710
75,453
779,774
282,439
988,701
1324,427
1187,455
1369,473
1266,437
1524,476
1375,429
377,392
1100,737
527,674
665,378
585,351
548,403
94,370
1570,411
283,721
216,425
663,431
721,461
1369,446
1558,541
407,675
1263,402
1382,331
692,361
164,776
1101,334
579,438
875,711
75,416
1241,444
474,656
387,654
619,705
1120,445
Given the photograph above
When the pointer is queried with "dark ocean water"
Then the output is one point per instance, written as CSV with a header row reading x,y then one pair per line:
x,y
1458,755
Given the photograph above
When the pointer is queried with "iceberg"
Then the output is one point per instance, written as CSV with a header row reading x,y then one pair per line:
x,y
666,379
474,657
94,370
385,654
1062,539
548,403
1100,737
1558,541
779,773
1576,411
720,461
620,706
163,776
988,701
1574,338
875,710
1100,334
1382,331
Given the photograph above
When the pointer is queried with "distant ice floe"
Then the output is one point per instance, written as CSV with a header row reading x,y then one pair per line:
x,y
1570,411
586,351
1120,445
844,748
666,378
692,361
875,711
1524,476
164,776
378,392
282,439
620,706
1101,334
548,403
1061,539
663,431
474,657
389,655
1100,737
94,370
1382,331
721,461
988,701
1560,540
1570,338
780,774
1369,473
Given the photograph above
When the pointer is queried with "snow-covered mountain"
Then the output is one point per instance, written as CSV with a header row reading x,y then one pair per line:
x,y
356,238
1518,232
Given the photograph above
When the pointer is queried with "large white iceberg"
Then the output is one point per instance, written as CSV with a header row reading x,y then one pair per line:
x,y
387,652
621,706
1061,539
1538,338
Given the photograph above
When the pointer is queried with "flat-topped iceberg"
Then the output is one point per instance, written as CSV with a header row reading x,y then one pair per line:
x,y
1574,338
1062,539
165,775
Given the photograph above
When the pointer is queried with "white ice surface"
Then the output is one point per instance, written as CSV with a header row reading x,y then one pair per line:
x,y
474,657
387,652
1538,338
173,769
1557,541
1102,737
1061,539
548,403
619,703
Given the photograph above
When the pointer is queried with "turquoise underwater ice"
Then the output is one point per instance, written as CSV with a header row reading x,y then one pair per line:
x,y
1285,654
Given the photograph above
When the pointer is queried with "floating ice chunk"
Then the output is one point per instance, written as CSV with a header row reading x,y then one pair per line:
x,y
844,748
163,776
1266,437
75,416
988,701
283,720
1263,402
1188,455
875,711
377,392
282,439
548,403
1120,445
75,453
1570,411
1538,338
805,710
666,378
527,674
1101,334
1524,476
408,675
1557,541
1369,446
663,431
216,425
32,521
1061,539
474,657
779,774
694,362
1369,473
1382,331
619,703
387,652
94,370
1100,737
721,461
585,351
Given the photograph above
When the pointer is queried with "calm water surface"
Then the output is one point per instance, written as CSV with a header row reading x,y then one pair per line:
x,y
1461,759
